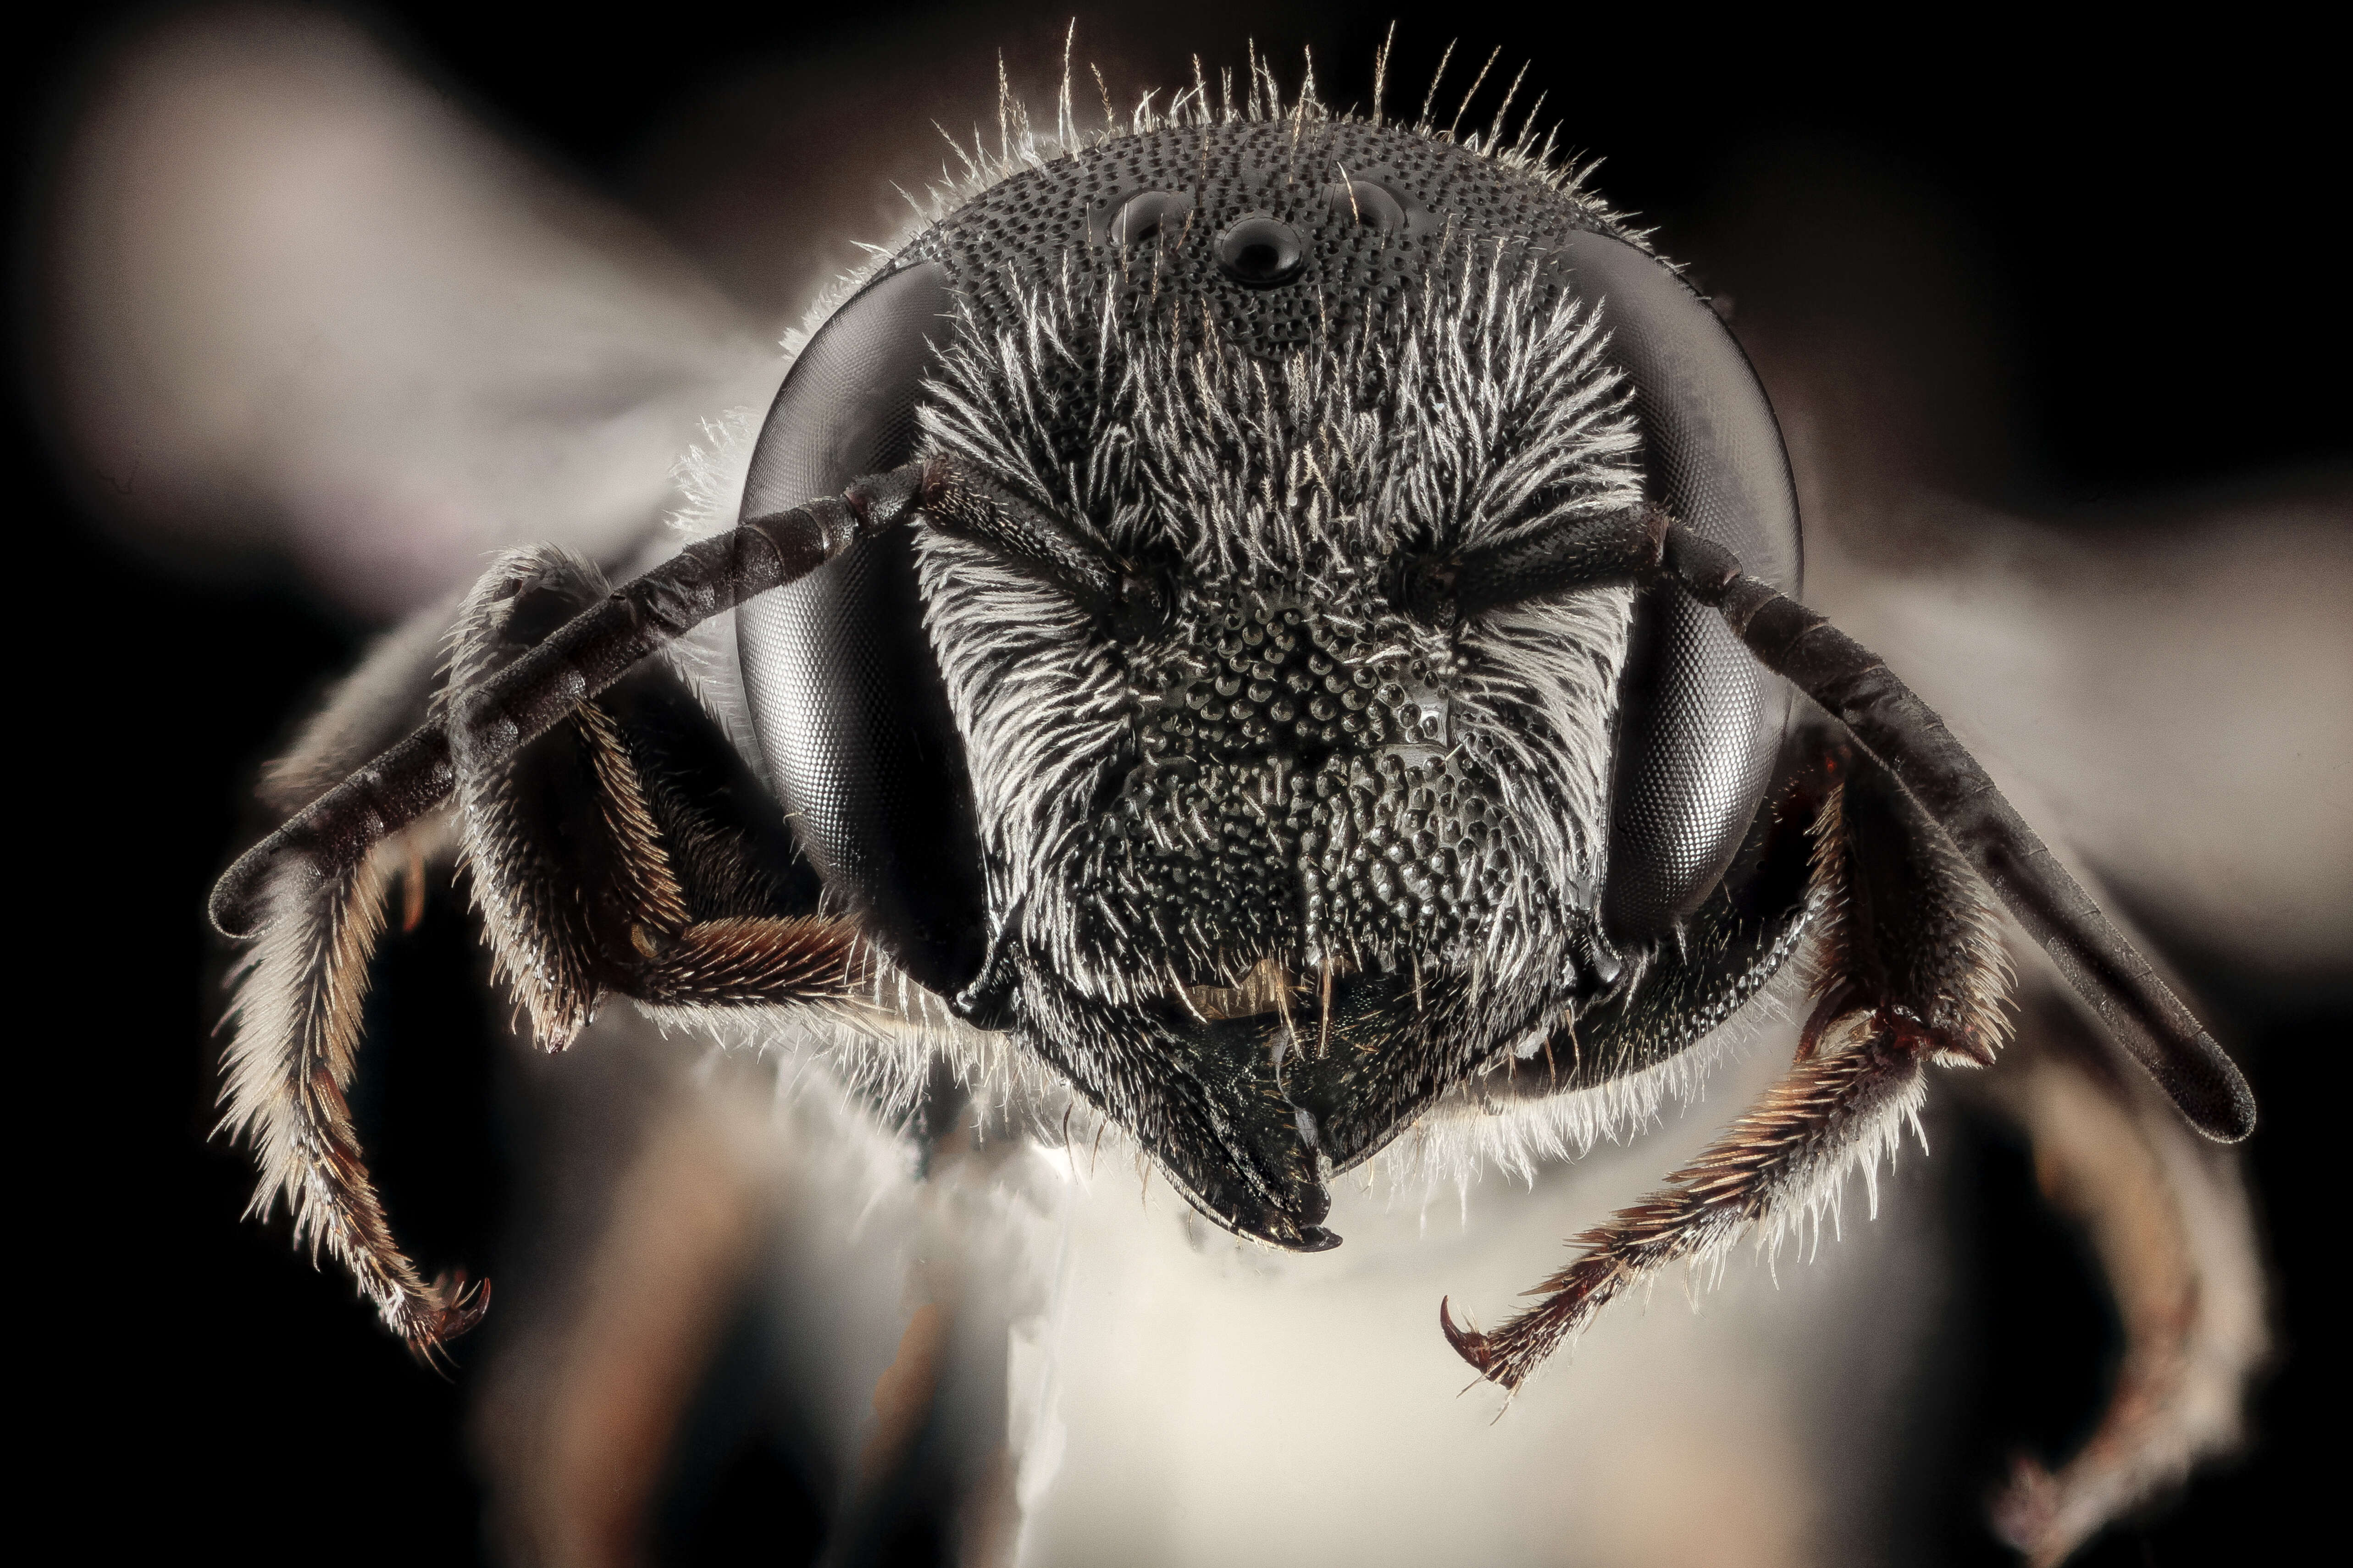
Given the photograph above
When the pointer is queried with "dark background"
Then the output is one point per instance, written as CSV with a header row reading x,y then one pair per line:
x,y
2157,214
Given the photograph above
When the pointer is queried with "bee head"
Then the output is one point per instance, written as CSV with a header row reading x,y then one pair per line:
x,y
1328,853
1275,848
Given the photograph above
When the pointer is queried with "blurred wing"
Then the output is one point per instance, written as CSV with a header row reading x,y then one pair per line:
x,y
2165,689
2173,692
298,302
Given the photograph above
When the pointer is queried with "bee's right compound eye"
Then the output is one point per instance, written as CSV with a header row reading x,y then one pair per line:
x,y
1145,216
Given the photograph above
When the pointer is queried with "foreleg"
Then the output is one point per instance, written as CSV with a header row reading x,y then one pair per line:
x,y
596,868
1912,971
295,1023
295,1039
614,854
558,842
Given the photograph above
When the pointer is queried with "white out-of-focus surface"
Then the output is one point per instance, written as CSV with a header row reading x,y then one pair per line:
x,y
1169,1394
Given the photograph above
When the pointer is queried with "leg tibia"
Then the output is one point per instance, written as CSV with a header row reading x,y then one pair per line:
x,y
626,849
1788,1153
2168,1218
747,961
296,1024
1906,939
537,925
1911,970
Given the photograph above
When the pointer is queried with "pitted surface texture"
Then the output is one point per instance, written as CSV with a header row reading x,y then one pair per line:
x,y
1285,794
1699,739
1017,237
1300,790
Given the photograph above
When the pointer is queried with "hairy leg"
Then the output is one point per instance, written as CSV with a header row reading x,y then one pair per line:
x,y
616,854
558,843
1910,970
2168,1217
295,1021
294,1044
597,867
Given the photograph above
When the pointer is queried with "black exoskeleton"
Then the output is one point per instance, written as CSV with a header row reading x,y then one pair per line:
x,y
1284,621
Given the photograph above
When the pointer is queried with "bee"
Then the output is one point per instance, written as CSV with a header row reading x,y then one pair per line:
x,y
1262,630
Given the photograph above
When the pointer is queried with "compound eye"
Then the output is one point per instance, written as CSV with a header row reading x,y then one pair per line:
x,y
1369,206
1148,215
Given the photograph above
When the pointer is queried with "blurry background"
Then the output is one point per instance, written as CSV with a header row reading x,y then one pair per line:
x,y
2082,276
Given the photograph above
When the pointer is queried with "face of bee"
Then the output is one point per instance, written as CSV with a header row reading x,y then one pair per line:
x,y
1283,866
